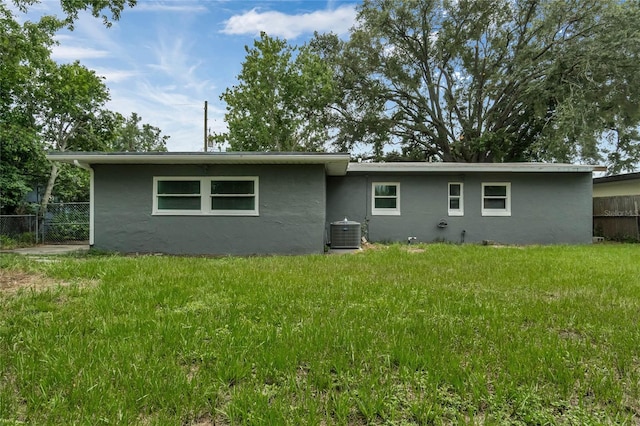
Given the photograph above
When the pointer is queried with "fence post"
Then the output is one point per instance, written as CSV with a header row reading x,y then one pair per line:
x,y
37,220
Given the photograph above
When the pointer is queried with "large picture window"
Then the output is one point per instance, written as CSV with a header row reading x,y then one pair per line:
x,y
496,199
223,196
385,198
456,199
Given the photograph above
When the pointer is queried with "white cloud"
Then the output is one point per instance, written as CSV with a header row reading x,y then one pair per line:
x,y
115,76
177,113
89,31
174,58
88,41
72,53
291,26
174,7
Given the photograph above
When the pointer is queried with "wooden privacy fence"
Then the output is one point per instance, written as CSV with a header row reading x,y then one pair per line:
x,y
617,218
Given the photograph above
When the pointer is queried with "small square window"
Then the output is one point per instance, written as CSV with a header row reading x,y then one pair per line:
x,y
496,199
385,198
455,199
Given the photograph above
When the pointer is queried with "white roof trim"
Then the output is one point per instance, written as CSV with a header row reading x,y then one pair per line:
x,y
423,167
335,164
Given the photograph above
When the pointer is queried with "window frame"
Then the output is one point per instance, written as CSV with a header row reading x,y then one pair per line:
x,y
384,211
175,212
252,212
460,210
496,212
205,196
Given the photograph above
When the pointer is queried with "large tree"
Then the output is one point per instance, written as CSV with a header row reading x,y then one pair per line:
x,y
74,96
134,136
104,131
25,64
24,53
491,80
280,100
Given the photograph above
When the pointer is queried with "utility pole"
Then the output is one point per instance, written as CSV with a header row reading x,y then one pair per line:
x,y
206,142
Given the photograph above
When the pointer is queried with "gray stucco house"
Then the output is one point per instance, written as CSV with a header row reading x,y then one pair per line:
x,y
267,203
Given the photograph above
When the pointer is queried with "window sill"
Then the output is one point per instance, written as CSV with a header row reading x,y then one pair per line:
x,y
385,213
497,213
199,213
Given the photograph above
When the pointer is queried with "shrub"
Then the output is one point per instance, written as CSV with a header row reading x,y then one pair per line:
x,y
7,243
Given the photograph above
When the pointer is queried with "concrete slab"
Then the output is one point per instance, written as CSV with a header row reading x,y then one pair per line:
x,y
45,250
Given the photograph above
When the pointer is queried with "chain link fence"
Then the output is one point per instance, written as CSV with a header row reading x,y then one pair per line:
x,y
66,223
18,230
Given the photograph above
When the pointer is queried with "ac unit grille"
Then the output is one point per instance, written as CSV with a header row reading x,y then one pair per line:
x,y
345,234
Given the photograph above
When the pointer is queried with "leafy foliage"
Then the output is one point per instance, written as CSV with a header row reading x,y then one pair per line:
x,y
484,80
71,98
280,100
133,136
98,8
46,106
24,53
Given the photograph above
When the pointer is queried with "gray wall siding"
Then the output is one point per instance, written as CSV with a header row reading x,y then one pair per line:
x,y
291,212
546,208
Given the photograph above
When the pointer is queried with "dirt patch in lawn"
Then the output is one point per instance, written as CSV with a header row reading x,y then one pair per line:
x,y
12,281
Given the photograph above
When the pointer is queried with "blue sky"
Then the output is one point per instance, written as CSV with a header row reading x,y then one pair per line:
x,y
163,59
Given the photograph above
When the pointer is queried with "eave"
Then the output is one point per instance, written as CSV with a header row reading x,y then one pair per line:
x,y
334,164
424,167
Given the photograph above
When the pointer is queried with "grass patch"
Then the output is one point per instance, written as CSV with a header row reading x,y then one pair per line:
x,y
442,335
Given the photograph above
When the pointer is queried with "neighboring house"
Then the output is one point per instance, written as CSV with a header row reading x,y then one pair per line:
x,y
617,185
264,203
616,207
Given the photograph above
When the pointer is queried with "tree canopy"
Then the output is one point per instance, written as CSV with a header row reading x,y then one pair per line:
x,y
280,100
108,10
24,54
131,135
71,97
453,80
491,80
49,106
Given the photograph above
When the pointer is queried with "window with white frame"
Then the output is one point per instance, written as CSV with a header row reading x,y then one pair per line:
x,y
177,195
232,195
496,199
456,199
218,195
385,198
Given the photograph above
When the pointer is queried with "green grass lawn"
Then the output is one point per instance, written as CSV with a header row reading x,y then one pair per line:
x,y
445,335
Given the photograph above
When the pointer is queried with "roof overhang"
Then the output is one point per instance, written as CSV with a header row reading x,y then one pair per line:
x,y
423,167
617,178
334,164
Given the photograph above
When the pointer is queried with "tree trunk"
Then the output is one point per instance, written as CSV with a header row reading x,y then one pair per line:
x,y
49,189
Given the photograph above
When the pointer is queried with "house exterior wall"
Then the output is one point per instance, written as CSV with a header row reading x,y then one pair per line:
x,y
618,188
291,216
546,208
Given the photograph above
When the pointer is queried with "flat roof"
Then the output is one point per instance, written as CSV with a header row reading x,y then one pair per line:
x,y
424,167
617,178
335,164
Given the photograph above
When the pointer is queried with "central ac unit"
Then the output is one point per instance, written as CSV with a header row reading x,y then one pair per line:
x,y
345,234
